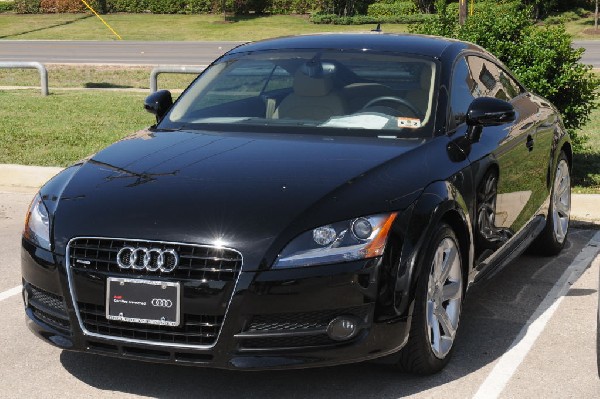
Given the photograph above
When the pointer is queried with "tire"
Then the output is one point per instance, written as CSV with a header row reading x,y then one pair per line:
x,y
438,305
552,239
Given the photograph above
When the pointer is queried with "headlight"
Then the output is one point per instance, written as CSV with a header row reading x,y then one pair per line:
x,y
360,238
37,224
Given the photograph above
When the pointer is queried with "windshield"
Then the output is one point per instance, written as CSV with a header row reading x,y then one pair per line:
x,y
355,93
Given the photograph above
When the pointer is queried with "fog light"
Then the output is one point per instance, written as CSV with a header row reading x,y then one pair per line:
x,y
342,328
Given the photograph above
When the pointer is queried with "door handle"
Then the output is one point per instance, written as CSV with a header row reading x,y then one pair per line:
x,y
529,143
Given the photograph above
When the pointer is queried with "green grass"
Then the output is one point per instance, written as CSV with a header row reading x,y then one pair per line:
x,y
61,128
13,24
586,170
165,27
582,29
94,76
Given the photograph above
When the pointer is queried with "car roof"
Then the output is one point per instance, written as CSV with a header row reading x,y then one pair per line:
x,y
431,46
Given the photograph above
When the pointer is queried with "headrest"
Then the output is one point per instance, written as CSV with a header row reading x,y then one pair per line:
x,y
311,80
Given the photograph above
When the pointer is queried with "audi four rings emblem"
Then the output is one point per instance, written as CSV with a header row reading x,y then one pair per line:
x,y
162,303
150,259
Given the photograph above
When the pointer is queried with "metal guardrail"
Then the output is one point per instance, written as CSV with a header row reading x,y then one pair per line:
x,y
171,69
31,65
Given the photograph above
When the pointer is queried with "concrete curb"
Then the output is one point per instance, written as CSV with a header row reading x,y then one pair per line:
x,y
22,178
585,208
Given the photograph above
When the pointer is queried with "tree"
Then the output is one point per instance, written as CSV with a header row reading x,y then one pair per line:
x,y
541,57
462,12
343,8
424,6
596,16
541,8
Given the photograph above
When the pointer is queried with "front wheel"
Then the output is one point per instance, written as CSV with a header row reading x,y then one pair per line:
x,y
438,304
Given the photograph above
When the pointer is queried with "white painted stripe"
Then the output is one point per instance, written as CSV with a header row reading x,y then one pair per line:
x,y
509,362
8,293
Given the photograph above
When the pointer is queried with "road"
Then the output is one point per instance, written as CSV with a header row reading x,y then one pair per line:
x,y
592,51
122,52
153,53
498,316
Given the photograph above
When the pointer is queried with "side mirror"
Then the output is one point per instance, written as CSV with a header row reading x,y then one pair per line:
x,y
489,111
159,103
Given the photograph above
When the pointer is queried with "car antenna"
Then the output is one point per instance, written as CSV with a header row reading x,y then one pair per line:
x,y
377,29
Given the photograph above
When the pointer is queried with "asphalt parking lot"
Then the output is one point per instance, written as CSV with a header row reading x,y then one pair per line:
x,y
528,332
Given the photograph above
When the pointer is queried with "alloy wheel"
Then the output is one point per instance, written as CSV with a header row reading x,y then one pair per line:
x,y
444,297
561,201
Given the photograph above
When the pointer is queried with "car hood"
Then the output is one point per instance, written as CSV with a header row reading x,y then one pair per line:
x,y
251,192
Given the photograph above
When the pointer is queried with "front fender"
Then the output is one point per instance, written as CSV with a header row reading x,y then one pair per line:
x,y
440,202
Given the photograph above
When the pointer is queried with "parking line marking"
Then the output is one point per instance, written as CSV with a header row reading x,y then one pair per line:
x,y
8,293
510,361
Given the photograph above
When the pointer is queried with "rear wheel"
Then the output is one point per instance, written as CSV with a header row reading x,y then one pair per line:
x,y
552,239
438,306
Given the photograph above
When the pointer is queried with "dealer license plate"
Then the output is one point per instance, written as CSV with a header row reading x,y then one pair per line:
x,y
142,301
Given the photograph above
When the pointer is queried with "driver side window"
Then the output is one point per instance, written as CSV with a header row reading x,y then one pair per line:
x,y
463,91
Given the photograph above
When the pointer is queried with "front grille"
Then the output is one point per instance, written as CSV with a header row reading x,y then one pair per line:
x,y
304,320
194,329
48,308
297,330
92,260
195,262
288,342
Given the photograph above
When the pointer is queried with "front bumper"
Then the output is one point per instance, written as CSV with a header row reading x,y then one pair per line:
x,y
273,319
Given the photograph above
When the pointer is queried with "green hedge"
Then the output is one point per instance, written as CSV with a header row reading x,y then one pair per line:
x,y
40,7
171,6
199,6
369,19
7,6
166,6
161,6
181,6
27,6
208,6
133,6
381,9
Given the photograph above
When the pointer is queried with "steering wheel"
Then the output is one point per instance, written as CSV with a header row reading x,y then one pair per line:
x,y
398,100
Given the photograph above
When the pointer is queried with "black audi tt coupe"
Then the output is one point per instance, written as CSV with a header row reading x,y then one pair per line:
x,y
307,201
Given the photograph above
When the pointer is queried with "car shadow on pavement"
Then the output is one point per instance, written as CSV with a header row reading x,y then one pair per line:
x,y
494,313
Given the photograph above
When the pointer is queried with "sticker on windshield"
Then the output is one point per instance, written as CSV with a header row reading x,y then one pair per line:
x,y
409,122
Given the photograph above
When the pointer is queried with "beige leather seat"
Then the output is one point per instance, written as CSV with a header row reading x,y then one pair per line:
x,y
313,98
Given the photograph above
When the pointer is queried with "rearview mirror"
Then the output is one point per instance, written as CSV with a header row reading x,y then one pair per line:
x,y
159,103
489,111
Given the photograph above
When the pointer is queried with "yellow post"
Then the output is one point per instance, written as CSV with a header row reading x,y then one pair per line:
x,y
103,21
472,8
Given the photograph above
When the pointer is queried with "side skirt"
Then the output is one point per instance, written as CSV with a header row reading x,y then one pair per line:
x,y
513,248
